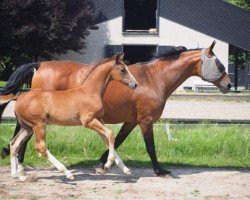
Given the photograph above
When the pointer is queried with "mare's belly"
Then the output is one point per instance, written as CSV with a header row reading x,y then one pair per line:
x,y
64,121
118,115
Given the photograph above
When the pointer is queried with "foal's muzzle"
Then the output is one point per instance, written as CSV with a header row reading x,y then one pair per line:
x,y
133,86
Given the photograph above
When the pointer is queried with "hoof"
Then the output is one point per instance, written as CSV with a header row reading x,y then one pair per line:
x,y
100,170
4,153
22,178
14,175
107,166
127,171
22,173
70,177
162,172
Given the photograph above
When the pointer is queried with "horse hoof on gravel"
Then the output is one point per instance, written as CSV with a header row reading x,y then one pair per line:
x,y
100,169
70,177
22,178
162,172
127,171
4,153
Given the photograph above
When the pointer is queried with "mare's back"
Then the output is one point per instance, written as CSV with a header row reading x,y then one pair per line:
x,y
60,75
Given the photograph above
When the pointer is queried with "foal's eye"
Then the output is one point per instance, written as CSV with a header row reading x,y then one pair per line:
x,y
123,71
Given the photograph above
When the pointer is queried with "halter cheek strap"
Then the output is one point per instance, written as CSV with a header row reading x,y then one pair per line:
x,y
209,69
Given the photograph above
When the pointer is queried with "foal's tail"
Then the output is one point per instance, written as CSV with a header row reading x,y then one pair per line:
x,y
23,75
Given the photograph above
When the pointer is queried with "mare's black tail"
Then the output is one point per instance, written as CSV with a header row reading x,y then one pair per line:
x,y
23,75
19,77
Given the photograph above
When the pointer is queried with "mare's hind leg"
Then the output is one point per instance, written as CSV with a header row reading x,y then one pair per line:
x,y
24,133
21,152
20,156
148,136
41,148
108,139
6,150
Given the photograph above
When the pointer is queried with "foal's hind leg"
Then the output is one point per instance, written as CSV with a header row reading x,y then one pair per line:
x,y
40,147
17,141
108,139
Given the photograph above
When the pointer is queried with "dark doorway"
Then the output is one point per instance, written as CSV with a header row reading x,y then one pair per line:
x,y
140,15
135,53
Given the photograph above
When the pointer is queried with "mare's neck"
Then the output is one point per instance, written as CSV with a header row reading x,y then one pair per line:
x,y
175,72
97,80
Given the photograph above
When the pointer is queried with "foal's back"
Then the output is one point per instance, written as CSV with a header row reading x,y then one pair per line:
x,y
55,107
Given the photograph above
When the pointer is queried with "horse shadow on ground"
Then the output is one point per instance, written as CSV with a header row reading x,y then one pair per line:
x,y
82,171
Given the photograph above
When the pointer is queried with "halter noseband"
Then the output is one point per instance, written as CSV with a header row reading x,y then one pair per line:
x,y
211,68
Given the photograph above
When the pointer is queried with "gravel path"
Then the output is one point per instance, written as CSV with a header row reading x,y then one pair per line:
x,y
186,183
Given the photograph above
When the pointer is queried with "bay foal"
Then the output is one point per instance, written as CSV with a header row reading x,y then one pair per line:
x,y
78,106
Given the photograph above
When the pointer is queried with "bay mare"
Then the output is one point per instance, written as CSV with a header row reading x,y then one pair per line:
x,y
157,79
74,107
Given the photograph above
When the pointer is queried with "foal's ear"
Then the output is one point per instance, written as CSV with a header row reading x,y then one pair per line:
x,y
119,58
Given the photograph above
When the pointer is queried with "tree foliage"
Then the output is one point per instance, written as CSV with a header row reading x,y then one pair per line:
x,y
245,4
242,55
37,29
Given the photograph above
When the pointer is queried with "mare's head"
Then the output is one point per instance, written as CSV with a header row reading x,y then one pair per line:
x,y
213,71
121,73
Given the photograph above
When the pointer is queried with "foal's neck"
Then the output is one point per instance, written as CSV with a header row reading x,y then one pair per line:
x,y
97,80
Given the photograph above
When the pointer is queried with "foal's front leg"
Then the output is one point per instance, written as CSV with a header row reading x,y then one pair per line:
x,y
108,139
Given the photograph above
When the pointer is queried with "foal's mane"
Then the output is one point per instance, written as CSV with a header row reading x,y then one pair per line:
x,y
95,66
97,63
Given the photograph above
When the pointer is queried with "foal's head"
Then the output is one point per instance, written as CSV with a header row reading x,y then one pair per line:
x,y
213,71
121,73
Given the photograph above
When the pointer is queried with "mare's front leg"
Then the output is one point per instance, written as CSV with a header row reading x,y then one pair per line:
x,y
148,136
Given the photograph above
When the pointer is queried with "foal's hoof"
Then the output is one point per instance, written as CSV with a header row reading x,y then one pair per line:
x,y
22,173
4,153
70,177
127,171
14,175
22,178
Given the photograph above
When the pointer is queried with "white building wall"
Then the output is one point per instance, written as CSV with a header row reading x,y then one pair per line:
x,y
170,33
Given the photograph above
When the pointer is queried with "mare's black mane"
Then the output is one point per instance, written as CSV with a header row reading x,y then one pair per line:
x,y
171,52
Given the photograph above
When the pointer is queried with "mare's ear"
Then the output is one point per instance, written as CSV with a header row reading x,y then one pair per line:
x,y
212,46
119,58
209,50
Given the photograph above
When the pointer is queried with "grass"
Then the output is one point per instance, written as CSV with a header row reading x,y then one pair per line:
x,y
206,145
2,83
